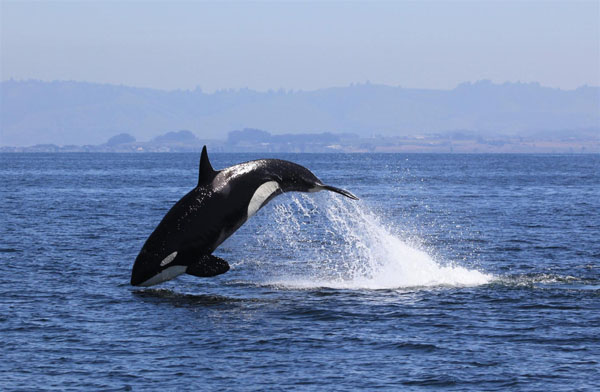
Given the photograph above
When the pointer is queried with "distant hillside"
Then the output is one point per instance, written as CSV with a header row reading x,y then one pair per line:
x,y
34,112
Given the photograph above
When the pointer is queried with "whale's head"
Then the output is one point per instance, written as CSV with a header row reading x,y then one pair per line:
x,y
292,177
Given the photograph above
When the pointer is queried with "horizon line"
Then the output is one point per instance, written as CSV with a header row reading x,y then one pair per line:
x,y
286,90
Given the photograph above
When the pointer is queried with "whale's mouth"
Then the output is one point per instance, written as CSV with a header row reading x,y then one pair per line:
x,y
339,190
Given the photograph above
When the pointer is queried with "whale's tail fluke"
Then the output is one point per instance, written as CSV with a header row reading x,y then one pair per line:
x,y
339,190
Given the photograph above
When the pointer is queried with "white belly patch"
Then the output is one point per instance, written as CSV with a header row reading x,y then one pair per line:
x,y
260,195
166,274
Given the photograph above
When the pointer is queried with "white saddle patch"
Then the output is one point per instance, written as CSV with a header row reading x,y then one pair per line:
x,y
168,259
261,194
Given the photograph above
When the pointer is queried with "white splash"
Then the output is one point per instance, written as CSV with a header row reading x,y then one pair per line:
x,y
347,246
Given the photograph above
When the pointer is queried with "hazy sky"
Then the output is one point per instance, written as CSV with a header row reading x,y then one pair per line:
x,y
308,45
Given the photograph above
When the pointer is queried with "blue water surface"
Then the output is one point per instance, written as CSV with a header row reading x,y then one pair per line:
x,y
310,303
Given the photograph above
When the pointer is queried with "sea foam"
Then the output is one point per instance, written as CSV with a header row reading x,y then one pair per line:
x,y
333,242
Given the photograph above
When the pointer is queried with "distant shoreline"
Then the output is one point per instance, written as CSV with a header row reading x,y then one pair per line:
x,y
9,152
250,140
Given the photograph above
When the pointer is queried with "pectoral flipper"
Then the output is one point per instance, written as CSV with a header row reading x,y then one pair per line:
x,y
207,266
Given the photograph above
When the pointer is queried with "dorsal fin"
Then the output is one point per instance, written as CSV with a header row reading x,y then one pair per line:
x,y
206,173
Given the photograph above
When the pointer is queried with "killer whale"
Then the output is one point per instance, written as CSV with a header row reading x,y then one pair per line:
x,y
221,202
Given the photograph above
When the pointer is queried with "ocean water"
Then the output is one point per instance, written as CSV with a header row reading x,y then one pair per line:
x,y
453,272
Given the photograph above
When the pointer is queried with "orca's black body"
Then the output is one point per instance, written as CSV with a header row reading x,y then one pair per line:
x,y
197,224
